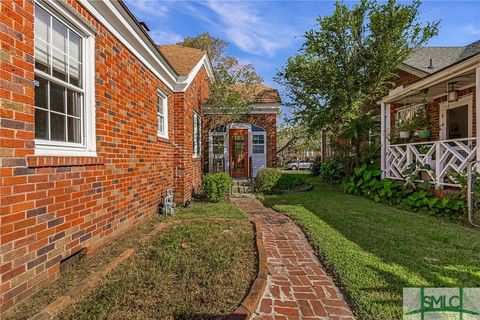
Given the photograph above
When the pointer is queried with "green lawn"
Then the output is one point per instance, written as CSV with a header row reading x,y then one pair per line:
x,y
376,250
201,270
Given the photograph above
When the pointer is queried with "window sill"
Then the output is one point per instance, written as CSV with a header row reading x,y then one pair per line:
x,y
163,139
63,161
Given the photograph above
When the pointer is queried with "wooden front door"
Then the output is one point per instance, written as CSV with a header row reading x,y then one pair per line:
x,y
238,152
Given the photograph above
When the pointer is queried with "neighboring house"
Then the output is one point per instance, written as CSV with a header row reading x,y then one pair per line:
x,y
288,151
243,147
443,82
97,124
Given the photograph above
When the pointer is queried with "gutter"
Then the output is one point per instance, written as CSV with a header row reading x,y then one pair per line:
x,y
433,79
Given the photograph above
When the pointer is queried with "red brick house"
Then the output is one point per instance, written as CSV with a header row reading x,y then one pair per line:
x,y
96,124
442,83
244,146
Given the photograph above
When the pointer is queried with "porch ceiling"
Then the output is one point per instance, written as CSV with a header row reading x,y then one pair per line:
x,y
462,81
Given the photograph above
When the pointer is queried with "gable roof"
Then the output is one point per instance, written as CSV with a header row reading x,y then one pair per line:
x,y
266,94
182,59
433,59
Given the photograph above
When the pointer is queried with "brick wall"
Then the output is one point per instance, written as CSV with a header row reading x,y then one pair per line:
x,y
434,110
188,169
52,207
266,121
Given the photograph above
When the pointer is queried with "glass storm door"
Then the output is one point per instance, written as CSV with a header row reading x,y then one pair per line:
x,y
457,123
239,153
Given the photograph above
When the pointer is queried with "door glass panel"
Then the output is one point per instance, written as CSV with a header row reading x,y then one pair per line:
x,y
239,156
457,123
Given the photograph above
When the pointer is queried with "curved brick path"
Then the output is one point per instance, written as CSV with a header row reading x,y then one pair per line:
x,y
298,287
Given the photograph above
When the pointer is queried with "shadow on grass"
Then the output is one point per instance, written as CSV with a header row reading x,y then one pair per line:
x,y
377,250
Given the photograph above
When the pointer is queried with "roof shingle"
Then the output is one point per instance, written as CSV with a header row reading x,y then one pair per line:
x,y
182,59
440,57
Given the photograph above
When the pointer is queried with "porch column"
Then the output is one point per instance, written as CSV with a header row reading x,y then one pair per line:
x,y
477,111
384,136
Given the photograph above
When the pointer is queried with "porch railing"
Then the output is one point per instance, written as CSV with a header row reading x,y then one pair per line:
x,y
446,158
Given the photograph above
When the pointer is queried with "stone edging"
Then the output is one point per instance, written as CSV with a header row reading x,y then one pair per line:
x,y
248,305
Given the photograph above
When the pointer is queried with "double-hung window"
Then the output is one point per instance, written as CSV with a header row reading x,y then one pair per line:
x,y
197,134
162,114
64,103
258,143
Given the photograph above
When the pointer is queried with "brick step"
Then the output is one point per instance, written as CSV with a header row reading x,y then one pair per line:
x,y
241,182
242,189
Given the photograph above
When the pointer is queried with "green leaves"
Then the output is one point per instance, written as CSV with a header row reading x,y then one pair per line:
x,y
416,195
348,62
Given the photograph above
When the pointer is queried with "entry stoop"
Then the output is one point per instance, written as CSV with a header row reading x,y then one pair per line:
x,y
241,187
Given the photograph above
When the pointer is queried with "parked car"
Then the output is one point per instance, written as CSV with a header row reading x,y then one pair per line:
x,y
299,165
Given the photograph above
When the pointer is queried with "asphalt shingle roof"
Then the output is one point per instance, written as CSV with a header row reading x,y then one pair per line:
x,y
182,59
441,57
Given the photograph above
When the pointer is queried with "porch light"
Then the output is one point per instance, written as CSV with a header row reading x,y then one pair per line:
x,y
452,94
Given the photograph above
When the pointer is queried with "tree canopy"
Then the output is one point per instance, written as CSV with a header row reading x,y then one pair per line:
x,y
234,86
348,62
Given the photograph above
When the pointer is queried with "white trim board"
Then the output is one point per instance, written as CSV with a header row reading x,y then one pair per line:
x,y
116,20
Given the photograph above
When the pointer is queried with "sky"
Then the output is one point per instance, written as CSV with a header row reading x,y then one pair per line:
x,y
266,33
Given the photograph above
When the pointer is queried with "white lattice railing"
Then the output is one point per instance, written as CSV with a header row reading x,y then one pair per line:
x,y
444,158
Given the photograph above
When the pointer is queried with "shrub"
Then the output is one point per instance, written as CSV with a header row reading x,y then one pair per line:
x,y
315,167
413,194
287,182
266,179
215,186
334,170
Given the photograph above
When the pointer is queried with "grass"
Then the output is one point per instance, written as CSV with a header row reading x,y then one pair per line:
x,y
201,270
376,250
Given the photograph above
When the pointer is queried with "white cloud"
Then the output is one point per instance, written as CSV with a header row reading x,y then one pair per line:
x,y
471,30
165,37
153,8
249,30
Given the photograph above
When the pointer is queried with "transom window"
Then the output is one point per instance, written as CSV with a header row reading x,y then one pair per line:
x,y
162,114
60,87
197,134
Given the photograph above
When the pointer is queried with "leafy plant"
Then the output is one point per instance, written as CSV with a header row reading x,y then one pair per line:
x,y
288,182
266,180
215,186
334,170
413,194
316,166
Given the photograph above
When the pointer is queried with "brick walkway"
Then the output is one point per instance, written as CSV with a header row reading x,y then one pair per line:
x,y
298,287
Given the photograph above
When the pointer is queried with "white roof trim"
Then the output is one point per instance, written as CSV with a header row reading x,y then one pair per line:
x,y
433,79
117,21
184,81
260,108
412,70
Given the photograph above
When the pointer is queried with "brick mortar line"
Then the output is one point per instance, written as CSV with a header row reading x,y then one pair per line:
x,y
89,282
328,268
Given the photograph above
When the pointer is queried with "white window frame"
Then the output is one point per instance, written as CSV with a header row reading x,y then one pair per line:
x,y
260,134
197,132
164,101
88,146
406,113
444,106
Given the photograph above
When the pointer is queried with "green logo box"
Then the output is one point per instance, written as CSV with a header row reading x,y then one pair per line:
x,y
441,303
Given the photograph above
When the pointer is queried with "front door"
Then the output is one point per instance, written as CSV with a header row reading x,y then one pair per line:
x,y
239,152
